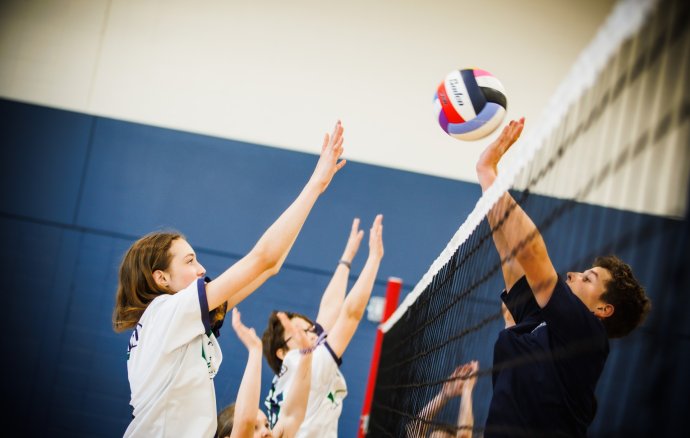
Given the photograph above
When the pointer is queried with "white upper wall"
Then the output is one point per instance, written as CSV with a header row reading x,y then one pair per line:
x,y
280,73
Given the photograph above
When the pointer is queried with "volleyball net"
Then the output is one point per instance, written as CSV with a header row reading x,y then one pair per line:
x,y
604,171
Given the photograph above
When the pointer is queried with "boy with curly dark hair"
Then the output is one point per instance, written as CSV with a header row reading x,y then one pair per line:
x,y
546,365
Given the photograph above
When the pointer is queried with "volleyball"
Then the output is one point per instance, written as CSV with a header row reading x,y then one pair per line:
x,y
470,104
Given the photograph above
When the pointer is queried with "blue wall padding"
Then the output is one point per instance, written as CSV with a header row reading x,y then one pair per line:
x,y
78,189
42,154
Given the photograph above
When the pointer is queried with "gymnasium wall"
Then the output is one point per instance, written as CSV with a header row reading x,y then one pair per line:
x,y
277,73
118,117
78,189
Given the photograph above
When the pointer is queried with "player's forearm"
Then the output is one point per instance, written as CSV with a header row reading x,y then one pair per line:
x,y
248,396
466,417
520,234
529,249
294,408
353,308
522,237
511,269
419,427
333,296
486,179
356,301
432,408
275,244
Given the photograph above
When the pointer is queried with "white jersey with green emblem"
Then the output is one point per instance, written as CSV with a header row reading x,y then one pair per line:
x,y
173,356
328,389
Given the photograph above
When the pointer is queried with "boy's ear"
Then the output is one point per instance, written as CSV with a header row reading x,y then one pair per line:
x,y
605,310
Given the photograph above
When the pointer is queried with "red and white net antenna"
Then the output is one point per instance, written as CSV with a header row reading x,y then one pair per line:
x,y
391,302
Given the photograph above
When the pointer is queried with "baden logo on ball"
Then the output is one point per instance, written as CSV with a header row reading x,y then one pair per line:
x,y
470,104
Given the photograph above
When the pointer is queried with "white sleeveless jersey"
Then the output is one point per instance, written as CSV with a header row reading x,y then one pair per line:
x,y
172,358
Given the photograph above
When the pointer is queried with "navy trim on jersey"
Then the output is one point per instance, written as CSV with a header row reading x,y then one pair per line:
x,y
319,330
217,324
337,359
203,301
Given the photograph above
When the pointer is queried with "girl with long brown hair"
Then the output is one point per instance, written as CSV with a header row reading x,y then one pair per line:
x,y
173,354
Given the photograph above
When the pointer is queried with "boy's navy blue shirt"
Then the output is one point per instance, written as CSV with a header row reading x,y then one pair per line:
x,y
546,367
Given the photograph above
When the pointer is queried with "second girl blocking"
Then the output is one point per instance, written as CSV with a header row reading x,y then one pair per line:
x,y
332,332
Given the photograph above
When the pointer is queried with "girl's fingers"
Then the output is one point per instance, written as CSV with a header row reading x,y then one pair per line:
x,y
325,142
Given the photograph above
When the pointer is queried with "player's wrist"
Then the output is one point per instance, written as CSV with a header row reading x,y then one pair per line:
x,y
443,398
486,169
307,350
486,179
320,340
315,186
374,257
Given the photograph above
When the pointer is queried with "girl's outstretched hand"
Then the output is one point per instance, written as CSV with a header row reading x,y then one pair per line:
x,y
353,241
329,162
376,238
247,335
